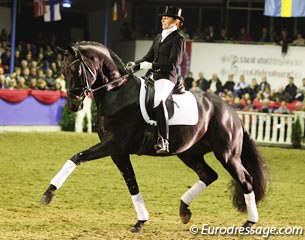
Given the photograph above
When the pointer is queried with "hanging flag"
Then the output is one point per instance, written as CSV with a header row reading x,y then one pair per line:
x,y
115,12
124,9
52,11
39,7
285,8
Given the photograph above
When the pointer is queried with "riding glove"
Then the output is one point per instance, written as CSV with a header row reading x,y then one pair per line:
x,y
145,65
130,65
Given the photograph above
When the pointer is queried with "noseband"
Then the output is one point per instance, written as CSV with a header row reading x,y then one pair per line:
x,y
85,86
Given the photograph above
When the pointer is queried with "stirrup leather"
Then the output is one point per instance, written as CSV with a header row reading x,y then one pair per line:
x,y
162,145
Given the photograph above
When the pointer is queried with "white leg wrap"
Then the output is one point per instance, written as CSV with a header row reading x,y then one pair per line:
x,y
139,205
190,194
63,174
251,207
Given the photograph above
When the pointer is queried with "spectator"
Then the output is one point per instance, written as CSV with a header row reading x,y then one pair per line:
x,y
56,71
50,80
290,90
188,81
265,108
229,98
266,93
264,37
5,57
280,94
198,34
210,35
61,81
215,85
24,64
272,96
85,112
33,72
248,106
40,74
253,88
223,36
28,57
18,58
2,67
21,84
237,104
244,36
299,41
26,75
41,63
4,36
264,84
11,83
241,87
195,89
229,84
202,82
33,84
282,109
284,40
49,54
2,81
17,72
41,84
57,86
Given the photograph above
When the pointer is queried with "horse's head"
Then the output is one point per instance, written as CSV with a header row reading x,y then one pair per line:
x,y
88,67
79,77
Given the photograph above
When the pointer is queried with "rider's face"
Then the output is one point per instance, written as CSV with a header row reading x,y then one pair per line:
x,y
167,22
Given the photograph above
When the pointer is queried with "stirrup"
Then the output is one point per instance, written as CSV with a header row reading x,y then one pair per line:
x,y
162,146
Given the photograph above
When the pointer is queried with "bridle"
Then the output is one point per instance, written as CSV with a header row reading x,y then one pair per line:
x,y
85,86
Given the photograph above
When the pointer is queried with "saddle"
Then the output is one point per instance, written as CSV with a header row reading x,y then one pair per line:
x,y
150,92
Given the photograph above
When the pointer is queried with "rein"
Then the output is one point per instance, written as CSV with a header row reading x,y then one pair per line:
x,y
86,89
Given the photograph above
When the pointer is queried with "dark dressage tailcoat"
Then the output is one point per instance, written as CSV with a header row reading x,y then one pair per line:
x,y
166,56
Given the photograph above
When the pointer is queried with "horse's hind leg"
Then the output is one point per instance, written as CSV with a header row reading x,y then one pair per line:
x,y
124,165
206,176
244,184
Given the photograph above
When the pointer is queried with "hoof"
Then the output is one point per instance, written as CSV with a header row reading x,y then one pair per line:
x,y
47,198
137,228
248,224
185,213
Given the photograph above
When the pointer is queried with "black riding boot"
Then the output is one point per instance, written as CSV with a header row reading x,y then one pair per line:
x,y
162,145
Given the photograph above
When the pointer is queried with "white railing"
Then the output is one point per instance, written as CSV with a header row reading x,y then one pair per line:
x,y
272,129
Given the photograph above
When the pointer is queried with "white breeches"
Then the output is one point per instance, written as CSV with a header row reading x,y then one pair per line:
x,y
163,88
80,116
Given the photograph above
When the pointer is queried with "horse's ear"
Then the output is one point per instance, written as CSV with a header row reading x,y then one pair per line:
x,y
73,50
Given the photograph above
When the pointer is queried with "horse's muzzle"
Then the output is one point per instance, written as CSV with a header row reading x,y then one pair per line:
x,y
75,105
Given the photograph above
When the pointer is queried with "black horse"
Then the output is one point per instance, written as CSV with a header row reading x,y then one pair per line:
x,y
91,67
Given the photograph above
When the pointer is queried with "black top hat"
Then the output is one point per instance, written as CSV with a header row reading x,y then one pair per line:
x,y
172,12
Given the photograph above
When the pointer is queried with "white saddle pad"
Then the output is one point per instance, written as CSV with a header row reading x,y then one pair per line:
x,y
185,108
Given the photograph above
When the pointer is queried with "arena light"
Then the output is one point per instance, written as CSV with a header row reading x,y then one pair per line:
x,y
66,3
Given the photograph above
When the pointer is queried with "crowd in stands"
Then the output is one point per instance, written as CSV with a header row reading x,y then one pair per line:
x,y
35,67
210,34
39,68
256,96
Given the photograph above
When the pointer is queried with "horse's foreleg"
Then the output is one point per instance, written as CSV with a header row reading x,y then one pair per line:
x,y
206,176
99,150
124,165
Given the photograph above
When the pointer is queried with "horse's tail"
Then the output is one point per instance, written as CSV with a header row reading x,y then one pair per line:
x,y
254,164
